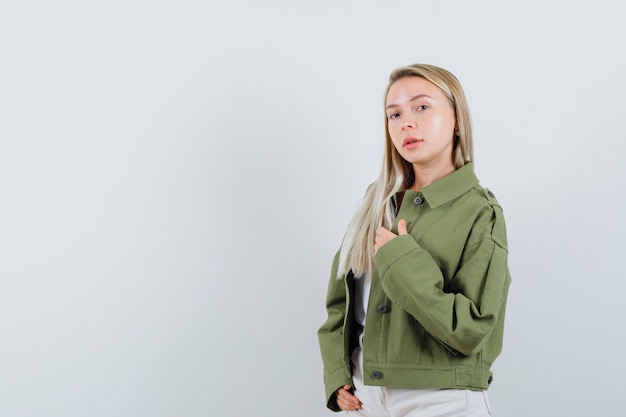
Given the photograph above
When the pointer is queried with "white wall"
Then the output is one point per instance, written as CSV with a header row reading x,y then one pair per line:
x,y
175,177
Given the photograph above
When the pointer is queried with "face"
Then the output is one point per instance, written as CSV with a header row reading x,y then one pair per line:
x,y
421,123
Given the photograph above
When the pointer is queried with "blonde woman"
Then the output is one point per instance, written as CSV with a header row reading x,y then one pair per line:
x,y
418,289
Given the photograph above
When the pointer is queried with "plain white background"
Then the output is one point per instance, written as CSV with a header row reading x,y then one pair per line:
x,y
175,177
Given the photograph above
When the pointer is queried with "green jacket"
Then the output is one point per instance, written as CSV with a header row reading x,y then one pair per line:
x,y
435,315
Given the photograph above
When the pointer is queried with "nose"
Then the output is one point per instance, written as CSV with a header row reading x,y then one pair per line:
x,y
408,125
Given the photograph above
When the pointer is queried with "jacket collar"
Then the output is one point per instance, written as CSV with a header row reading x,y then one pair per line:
x,y
451,186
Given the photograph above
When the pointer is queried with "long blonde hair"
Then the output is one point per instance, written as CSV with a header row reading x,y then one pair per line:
x,y
375,210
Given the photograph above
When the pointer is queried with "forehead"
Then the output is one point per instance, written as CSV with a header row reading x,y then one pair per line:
x,y
408,87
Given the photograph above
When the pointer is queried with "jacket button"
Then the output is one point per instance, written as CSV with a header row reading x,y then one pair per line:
x,y
418,200
377,374
383,308
491,194
490,379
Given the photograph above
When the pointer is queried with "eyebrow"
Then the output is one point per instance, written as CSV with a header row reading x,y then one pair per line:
x,y
410,100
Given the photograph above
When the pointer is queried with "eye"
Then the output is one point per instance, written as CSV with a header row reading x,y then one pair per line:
x,y
393,115
421,107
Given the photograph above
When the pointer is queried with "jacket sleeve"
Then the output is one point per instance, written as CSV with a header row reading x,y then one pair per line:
x,y
334,356
462,313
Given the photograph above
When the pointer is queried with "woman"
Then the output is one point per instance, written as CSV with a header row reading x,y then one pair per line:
x,y
418,289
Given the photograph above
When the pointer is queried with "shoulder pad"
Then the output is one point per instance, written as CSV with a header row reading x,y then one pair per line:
x,y
491,197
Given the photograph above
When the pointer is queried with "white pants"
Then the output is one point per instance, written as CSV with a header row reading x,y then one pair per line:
x,y
415,402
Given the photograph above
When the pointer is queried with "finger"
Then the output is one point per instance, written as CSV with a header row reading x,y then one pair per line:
x,y
402,227
344,393
347,396
346,400
383,234
348,403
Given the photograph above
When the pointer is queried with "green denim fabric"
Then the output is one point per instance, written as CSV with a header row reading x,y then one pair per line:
x,y
435,315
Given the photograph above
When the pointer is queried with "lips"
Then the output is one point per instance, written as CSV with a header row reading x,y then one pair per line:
x,y
411,142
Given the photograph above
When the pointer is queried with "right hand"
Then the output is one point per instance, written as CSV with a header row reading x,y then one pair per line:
x,y
384,235
345,400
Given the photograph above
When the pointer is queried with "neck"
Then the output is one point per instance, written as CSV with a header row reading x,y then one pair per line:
x,y
424,176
